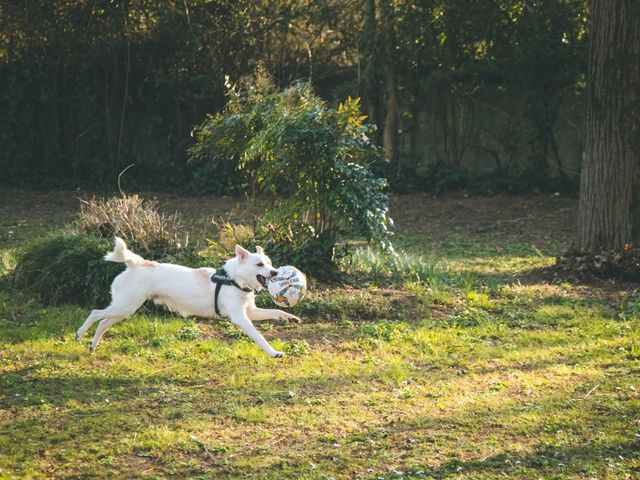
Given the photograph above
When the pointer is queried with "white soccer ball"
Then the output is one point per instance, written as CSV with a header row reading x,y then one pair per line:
x,y
288,286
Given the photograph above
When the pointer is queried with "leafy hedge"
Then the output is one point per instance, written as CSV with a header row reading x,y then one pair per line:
x,y
67,268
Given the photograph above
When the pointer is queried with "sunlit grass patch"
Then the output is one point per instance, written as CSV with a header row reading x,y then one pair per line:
x,y
7,262
157,440
418,392
378,267
250,414
504,265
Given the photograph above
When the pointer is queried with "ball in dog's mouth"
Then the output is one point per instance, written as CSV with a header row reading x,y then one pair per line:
x,y
262,280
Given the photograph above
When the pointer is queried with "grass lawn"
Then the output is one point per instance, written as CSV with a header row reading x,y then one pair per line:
x,y
479,364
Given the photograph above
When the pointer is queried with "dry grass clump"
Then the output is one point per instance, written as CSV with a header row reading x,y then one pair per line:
x,y
137,221
70,266
229,235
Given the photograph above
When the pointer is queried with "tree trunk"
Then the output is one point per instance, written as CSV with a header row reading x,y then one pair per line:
x,y
369,86
451,129
609,213
390,133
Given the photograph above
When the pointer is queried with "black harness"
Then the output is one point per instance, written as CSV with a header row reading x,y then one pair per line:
x,y
221,278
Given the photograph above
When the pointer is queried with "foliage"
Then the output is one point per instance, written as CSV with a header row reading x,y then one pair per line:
x,y
296,348
314,158
465,67
384,330
145,230
70,268
222,139
66,268
124,82
298,244
190,331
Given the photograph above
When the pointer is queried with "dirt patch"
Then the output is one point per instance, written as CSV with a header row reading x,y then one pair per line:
x,y
524,218
55,204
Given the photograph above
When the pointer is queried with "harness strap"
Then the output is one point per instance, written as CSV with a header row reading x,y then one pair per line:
x,y
215,298
222,278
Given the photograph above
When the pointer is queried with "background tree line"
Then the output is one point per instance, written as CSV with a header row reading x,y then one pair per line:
x,y
464,92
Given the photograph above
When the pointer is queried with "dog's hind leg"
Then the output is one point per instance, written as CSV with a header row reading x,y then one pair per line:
x,y
122,307
93,317
102,327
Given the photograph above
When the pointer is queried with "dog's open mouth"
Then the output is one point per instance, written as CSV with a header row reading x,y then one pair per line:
x,y
262,280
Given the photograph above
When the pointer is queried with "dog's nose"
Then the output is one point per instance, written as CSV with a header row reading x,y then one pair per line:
x,y
274,273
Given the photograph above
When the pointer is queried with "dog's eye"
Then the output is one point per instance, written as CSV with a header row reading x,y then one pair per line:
x,y
260,264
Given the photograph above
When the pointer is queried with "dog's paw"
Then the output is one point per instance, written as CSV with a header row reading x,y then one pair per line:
x,y
277,354
291,318
92,349
79,336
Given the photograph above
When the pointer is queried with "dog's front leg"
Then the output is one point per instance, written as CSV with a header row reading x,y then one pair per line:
x,y
241,320
255,313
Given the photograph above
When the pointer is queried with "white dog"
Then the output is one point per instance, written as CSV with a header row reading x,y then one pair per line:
x,y
189,291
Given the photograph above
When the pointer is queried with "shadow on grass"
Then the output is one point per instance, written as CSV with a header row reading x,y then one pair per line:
x,y
594,456
26,387
528,276
588,459
34,385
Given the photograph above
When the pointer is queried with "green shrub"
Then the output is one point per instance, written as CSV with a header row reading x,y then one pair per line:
x,y
67,268
296,348
312,158
70,267
190,331
299,245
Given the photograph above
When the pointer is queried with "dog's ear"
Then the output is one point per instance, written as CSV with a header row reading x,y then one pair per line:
x,y
241,253
259,250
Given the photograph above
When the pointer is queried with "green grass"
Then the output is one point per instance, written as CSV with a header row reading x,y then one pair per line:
x,y
460,363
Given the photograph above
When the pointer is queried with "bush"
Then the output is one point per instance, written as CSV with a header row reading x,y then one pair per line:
x,y
297,244
67,268
312,158
70,267
137,221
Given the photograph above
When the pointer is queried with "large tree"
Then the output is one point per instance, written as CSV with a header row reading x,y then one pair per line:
x,y
609,215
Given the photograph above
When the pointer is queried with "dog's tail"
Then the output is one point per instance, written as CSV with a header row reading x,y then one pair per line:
x,y
123,255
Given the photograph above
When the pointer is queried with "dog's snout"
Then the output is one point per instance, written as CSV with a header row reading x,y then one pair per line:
x,y
274,273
